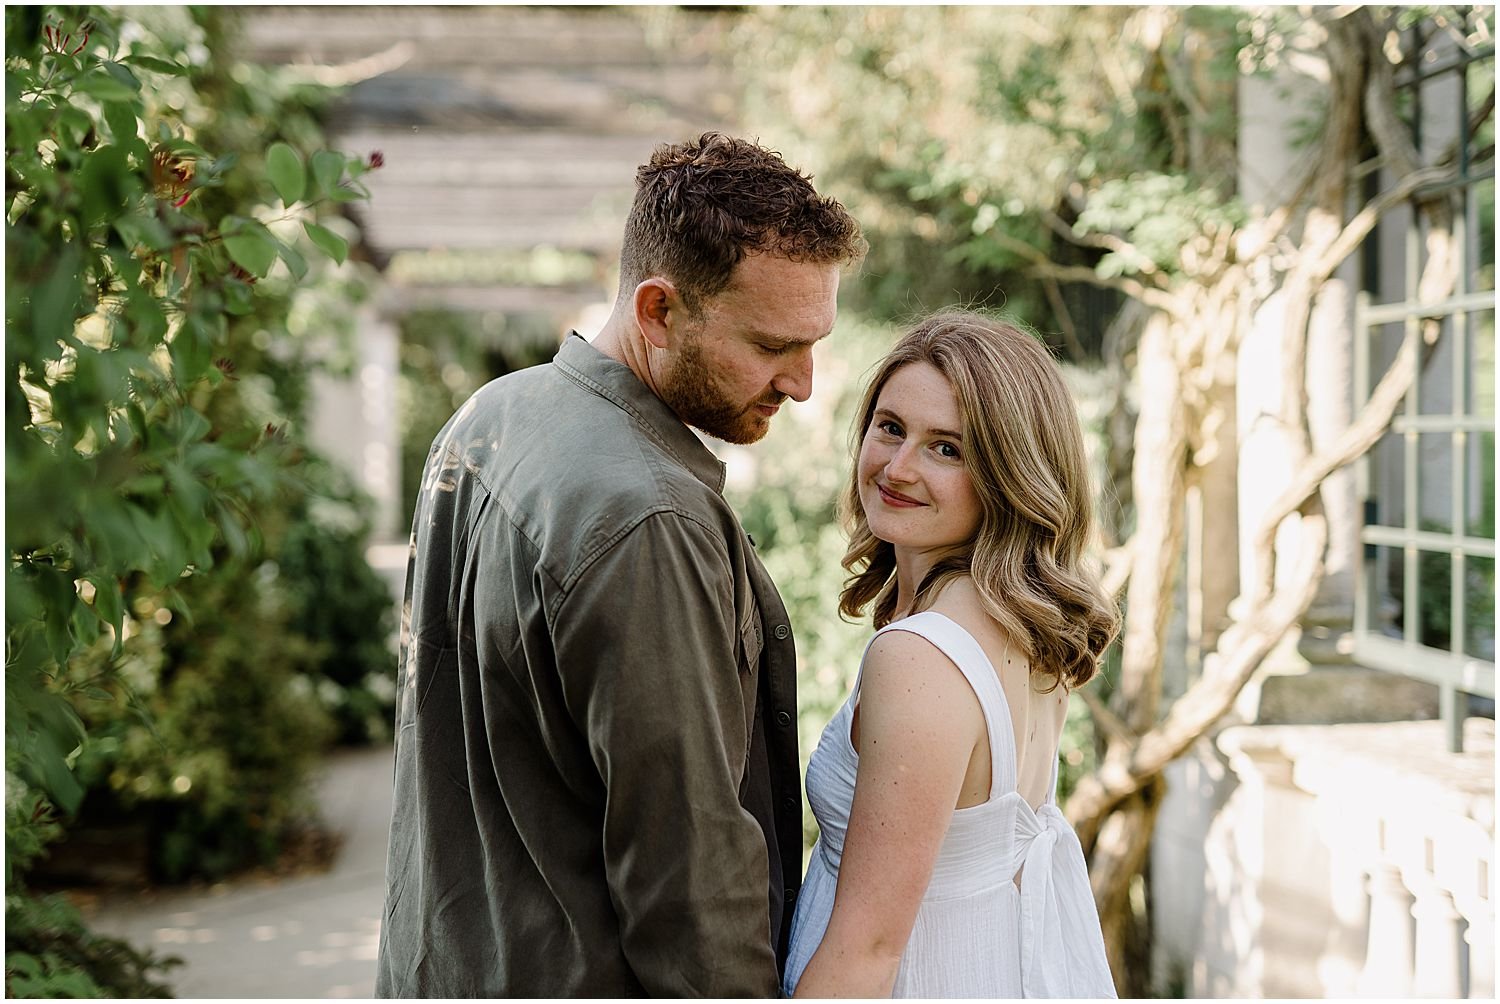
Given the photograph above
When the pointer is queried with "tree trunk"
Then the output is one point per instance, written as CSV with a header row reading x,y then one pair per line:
x,y
1120,855
1158,486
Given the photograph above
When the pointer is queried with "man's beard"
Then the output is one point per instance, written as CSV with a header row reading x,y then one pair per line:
x,y
690,389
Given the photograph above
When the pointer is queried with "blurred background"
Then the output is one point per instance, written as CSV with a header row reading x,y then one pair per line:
x,y
256,257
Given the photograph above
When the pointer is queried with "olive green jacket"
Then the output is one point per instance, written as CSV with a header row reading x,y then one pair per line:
x,y
597,787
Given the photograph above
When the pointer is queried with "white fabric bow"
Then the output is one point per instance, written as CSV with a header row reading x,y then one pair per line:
x,y
1062,948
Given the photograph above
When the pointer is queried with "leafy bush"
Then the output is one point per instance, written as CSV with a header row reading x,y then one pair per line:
x,y
49,953
156,297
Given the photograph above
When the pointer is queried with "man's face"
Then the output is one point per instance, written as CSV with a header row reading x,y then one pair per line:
x,y
750,348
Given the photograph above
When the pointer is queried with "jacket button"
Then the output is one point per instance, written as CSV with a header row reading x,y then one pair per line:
x,y
781,632
789,804
789,895
783,718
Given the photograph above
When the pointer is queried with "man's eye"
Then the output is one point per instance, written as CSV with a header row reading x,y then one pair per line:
x,y
775,350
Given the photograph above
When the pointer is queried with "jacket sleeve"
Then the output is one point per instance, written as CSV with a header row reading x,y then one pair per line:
x,y
646,646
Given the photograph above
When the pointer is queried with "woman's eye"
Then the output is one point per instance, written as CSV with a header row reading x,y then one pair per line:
x,y
889,428
948,451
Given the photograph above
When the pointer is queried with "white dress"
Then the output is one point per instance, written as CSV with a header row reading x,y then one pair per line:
x,y
976,933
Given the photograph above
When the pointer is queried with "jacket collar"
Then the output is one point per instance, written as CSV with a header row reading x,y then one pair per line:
x,y
616,382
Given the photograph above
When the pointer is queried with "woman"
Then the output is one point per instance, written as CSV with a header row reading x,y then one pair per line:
x,y
944,868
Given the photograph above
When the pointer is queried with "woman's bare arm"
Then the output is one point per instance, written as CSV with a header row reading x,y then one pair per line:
x,y
919,722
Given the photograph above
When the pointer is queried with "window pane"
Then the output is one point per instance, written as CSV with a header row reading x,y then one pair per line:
x,y
1434,599
1479,632
1388,480
1480,392
1435,382
1482,218
1435,482
1385,341
1386,582
1480,504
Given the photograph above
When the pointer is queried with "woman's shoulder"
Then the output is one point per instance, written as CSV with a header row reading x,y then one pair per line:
x,y
960,602
909,681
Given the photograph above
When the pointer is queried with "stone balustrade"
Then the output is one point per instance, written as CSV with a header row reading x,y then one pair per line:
x,y
1363,853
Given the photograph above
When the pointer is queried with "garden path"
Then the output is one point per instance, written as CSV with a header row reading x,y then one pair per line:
x,y
311,936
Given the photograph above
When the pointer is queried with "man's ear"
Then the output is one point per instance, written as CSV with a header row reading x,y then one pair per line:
x,y
656,301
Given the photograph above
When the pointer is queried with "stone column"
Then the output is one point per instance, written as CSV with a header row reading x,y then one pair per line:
x,y
1439,942
1388,959
353,421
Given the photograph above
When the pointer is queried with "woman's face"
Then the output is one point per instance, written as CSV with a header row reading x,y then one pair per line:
x,y
913,485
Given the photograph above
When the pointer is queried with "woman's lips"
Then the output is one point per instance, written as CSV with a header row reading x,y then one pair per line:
x,y
896,499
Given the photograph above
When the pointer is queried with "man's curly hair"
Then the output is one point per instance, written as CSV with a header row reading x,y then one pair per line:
x,y
701,206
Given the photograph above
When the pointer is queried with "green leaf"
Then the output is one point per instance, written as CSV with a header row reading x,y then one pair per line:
x,y
187,148
54,306
147,230
109,603
294,260
239,297
106,86
288,175
327,169
122,74
194,426
158,65
123,124
253,251
76,121
327,241
191,352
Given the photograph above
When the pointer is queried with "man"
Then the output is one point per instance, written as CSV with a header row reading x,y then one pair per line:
x,y
597,784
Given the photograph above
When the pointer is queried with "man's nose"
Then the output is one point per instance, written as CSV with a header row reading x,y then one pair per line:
x,y
796,380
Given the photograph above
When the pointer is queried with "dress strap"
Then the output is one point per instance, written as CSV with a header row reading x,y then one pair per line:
x,y
954,641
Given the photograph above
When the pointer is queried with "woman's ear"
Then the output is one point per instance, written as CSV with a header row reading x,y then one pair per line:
x,y
656,300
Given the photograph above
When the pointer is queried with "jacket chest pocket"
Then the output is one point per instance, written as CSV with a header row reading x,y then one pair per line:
x,y
751,645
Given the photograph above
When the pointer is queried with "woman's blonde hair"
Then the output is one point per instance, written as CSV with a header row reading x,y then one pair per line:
x,y
1023,449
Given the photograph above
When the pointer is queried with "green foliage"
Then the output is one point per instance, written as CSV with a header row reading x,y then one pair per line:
x,y
342,609
115,308
1161,212
985,148
49,953
158,317
216,728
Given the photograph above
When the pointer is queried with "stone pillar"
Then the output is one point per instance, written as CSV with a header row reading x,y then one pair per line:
x,y
1388,957
1439,942
1481,969
352,416
353,420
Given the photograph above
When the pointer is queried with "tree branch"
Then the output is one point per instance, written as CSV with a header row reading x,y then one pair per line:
x,y
1064,318
1240,651
1105,242
1111,725
1117,565
1364,222
1042,265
